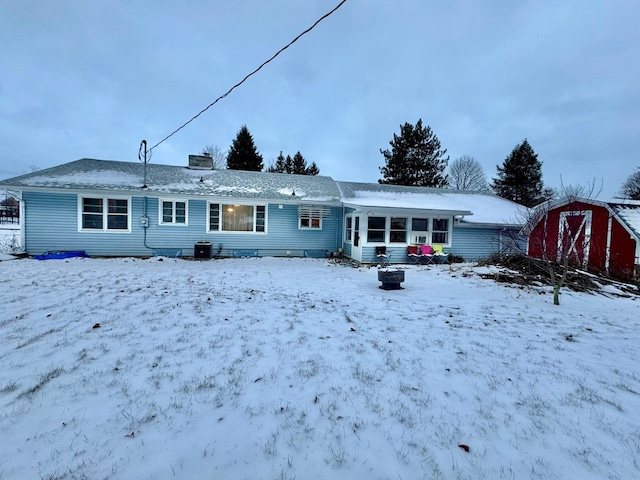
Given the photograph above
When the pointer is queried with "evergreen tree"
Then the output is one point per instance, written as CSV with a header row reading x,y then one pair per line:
x,y
296,165
520,177
243,154
631,187
299,164
415,158
281,164
312,169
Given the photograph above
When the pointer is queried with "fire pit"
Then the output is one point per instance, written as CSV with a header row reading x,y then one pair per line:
x,y
391,279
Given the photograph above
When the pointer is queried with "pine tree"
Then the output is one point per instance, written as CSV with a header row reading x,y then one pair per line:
x,y
312,169
296,165
280,166
243,154
299,164
520,177
415,158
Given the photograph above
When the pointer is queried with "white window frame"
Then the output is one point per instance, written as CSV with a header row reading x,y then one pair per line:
x,y
384,230
414,235
392,230
447,232
222,205
348,228
310,214
105,214
173,202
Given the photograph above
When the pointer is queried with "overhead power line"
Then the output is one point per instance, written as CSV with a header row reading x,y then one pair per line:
x,y
249,75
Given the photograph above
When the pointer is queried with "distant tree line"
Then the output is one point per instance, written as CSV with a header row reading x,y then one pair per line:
x,y
416,158
243,155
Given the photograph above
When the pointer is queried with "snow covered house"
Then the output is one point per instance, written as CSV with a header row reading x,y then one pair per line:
x,y
112,208
108,208
467,225
598,236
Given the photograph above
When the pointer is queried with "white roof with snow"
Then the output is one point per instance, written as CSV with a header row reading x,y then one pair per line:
x,y
90,174
629,213
477,207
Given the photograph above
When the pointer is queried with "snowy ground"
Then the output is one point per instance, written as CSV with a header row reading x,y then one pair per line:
x,y
291,368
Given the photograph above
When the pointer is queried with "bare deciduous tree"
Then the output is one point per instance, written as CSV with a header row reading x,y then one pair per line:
x,y
219,157
564,242
466,173
631,187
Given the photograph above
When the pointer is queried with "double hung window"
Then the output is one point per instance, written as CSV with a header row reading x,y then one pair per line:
x,y
173,212
398,231
104,214
440,231
376,227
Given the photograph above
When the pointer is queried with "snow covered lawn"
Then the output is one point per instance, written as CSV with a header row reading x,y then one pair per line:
x,y
291,368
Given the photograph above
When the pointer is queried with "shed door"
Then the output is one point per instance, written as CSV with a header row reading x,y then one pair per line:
x,y
574,235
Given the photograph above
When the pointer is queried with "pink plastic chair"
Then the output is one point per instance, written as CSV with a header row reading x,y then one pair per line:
x,y
426,254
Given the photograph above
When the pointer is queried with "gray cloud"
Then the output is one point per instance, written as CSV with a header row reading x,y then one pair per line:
x,y
92,79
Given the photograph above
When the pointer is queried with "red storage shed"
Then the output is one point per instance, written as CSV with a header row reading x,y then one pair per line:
x,y
597,236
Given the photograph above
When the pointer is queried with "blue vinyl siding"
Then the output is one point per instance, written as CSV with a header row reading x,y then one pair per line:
x,y
474,244
283,234
396,254
51,223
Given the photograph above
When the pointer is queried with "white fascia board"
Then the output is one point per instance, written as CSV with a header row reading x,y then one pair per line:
x,y
406,211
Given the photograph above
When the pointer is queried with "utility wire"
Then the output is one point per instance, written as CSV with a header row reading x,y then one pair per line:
x,y
249,75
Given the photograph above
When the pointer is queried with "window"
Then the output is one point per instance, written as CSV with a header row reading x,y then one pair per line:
x,y
376,229
173,212
104,214
348,229
420,224
398,232
420,231
440,232
310,218
237,218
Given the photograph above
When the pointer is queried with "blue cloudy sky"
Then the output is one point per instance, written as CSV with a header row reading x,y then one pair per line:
x,y
92,79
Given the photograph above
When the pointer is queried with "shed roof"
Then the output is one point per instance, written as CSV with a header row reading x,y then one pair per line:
x,y
91,174
629,213
477,207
